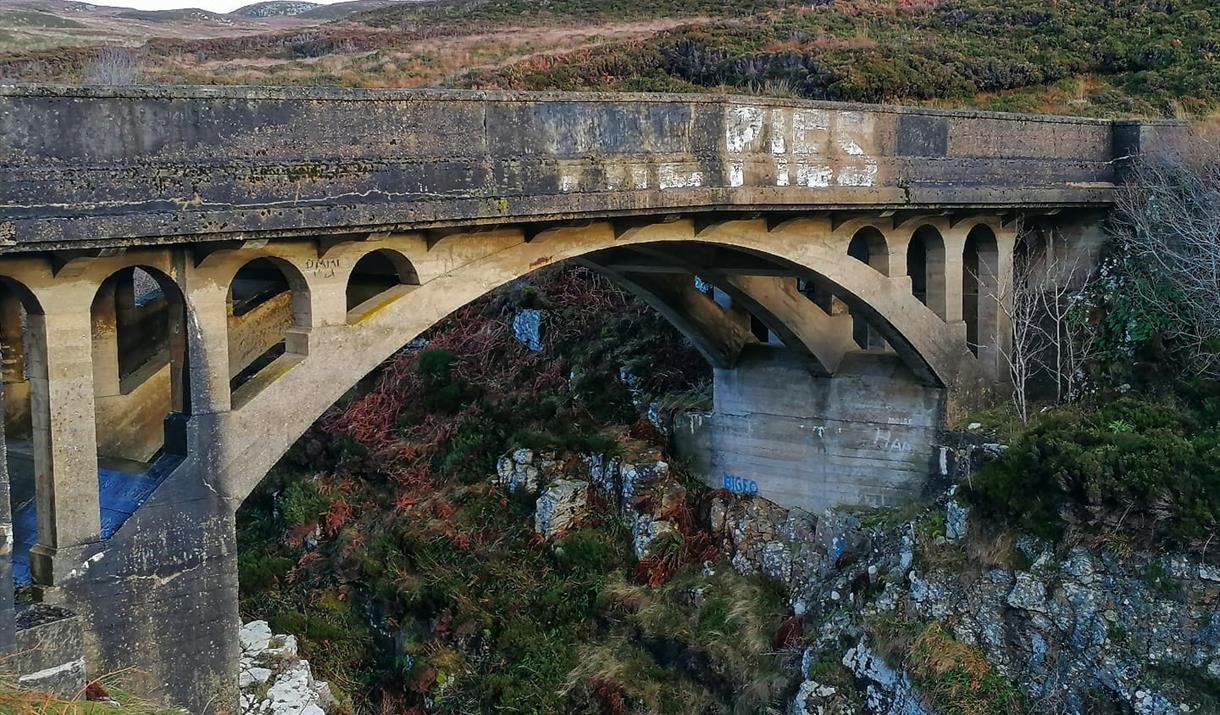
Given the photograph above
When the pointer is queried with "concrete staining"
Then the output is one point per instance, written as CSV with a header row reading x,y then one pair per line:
x,y
256,211
178,164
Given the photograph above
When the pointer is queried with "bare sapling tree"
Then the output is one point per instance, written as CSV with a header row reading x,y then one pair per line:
x,y
1168,218
1018,304
115,67
1042,299
1062,288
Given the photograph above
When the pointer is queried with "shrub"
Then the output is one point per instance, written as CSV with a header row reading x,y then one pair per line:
x,y
302,503
1148,470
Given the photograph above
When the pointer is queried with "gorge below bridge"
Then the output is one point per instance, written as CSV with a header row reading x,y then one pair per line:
x,y
190,277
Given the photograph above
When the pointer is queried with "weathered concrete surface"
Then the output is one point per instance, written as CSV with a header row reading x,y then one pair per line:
x,y
159,597
121,166
864,437
47,655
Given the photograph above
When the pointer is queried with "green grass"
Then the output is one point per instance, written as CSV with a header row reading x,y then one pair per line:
x,y
956,679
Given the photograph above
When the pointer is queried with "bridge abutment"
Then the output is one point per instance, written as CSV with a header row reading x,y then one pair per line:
x,y
864,437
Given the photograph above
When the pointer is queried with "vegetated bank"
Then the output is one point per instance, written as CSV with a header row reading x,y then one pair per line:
x,y
1142,58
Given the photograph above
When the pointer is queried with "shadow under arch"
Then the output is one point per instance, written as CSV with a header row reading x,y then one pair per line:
x,y
268,317
926,267
379,276
868,245
25,443
981,290
140,365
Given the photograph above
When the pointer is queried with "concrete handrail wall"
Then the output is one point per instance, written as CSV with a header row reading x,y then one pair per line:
x,y
88,167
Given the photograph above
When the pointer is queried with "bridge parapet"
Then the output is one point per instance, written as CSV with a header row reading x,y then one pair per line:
x,y
93,167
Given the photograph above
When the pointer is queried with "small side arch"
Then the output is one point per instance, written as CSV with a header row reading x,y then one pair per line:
x,y
269,315
926,267
140,371
981,290
868,245
379,276
26,418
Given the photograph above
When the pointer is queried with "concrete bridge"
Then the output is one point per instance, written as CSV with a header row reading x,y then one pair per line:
x,y
189,277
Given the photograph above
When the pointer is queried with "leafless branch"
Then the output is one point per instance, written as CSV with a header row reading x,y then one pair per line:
x,y
1168,217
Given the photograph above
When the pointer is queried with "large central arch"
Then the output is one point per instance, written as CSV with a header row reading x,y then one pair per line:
x,y
339,353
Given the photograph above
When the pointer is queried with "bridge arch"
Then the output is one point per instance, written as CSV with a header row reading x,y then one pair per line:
x,y
269,316
26,418
926,268
981,290
868,245
350,351
377,277
140,369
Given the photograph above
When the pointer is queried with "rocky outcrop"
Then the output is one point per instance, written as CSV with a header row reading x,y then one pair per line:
x,y
516,471
564,486
1069,627
560,506
272,678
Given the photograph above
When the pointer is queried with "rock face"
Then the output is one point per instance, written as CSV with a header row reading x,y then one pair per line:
x,y
273,680
516,471
527,328
1068,627
647,531
560,507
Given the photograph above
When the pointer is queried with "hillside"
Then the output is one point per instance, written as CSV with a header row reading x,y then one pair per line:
x,y
45,25
1146,58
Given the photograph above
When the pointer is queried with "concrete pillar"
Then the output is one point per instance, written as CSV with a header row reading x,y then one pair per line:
x,y
955,244
995,363
65,438
937,272
208,344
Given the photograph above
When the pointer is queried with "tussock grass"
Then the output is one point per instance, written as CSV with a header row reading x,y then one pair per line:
x,y
19,701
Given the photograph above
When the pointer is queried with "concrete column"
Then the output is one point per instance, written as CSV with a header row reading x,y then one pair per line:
x,y
897,241
65,438
327,286
955,244
208,343
994,362
937,273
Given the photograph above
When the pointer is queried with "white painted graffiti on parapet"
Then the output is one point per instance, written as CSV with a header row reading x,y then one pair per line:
x,y
740,485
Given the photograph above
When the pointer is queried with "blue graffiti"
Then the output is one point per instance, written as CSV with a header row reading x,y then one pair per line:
x,y
740,485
